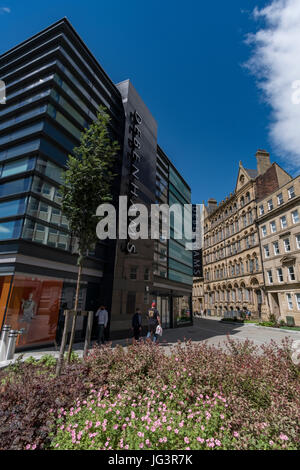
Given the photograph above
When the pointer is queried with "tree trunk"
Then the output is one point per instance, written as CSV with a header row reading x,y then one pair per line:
x,y
88,333
76,309
63,345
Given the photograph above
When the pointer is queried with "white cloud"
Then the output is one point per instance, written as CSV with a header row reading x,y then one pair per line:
x,y
275,61
4,10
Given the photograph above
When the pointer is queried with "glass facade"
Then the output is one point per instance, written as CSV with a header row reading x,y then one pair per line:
x,y
52,96
180,258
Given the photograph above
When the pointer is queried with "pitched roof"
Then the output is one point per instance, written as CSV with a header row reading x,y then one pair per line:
x,y
252,173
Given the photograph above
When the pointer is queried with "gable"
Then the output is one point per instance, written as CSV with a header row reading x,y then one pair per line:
x,y
242,179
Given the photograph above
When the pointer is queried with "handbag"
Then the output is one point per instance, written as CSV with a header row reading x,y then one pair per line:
x,y
159,331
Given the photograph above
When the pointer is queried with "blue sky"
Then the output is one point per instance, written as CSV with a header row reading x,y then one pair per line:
x,y
185,59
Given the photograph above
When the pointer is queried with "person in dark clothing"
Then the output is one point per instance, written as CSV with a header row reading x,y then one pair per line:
x,y
137,324
153,322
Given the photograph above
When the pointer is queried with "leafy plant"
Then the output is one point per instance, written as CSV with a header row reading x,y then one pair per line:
x,y
87,184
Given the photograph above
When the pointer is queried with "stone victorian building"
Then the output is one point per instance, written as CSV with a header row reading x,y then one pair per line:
x,y
232,261
198,294
279,226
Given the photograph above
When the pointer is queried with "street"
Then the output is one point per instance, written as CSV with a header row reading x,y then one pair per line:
x,y
207,330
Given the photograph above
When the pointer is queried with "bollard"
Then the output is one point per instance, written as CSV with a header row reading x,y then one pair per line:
x,y
11,347
4,341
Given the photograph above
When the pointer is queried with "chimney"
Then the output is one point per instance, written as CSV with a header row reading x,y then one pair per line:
x,y
263,161
212,204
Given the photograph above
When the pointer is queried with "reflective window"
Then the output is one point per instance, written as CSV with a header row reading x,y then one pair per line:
x,y
178,277
280,199
23,117
46,190
39,233
295,216
61,119
52,151
29,87
60,137
46,212
18,166
11,208
291,192
22,133
20,150
273,227
24,77
72,111
50,169
179,253
180,267
75,98
24,102
289,301
179,185
10,230
279,275
283,222
15,187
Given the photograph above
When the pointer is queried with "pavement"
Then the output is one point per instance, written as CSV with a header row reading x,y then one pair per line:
x,y
209,330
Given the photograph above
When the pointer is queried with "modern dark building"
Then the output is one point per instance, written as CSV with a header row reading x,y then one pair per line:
x,y
54,86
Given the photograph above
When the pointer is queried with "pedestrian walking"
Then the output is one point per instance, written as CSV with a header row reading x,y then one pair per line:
x,y
137,324
153,318
102,316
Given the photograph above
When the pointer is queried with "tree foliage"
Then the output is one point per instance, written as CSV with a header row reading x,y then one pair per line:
x,y
87,181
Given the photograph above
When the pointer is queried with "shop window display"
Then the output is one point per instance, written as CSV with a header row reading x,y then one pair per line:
x,y
34,306
5,282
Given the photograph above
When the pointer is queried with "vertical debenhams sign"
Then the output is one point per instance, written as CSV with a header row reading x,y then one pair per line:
x,y
135,154
134,157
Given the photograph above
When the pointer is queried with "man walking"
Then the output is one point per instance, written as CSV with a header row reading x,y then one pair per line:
x,y
137,324
102,315
153,322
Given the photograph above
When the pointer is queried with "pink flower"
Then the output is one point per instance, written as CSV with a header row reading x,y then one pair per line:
x,y
283,437
141,445
236,434
186,440
199,439
176,431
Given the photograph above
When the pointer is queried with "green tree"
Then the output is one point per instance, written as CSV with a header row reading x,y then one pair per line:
x,y
87,183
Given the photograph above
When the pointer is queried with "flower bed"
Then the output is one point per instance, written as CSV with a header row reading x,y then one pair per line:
x,y
200,397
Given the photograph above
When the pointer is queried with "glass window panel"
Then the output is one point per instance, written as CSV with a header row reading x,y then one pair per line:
x,y
15,187
175,265
39,82
179,253
10,230
22,133
11,208
18,166
178,277
24,102
20,150
50,169
179,184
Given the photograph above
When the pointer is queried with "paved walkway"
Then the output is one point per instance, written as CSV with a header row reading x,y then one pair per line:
x,y
209,329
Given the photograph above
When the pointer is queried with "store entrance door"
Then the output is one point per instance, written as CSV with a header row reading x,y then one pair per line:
x,y
163,306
